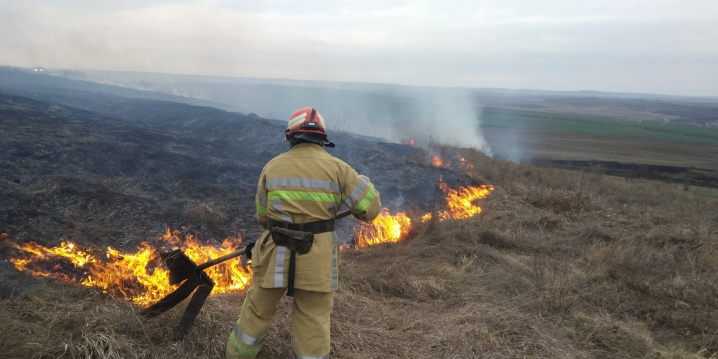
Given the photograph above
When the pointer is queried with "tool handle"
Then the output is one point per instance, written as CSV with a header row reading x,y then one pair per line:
x,y
221,259
341,215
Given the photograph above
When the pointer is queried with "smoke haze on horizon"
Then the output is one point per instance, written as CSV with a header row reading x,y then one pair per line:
x,y
395,113
664,46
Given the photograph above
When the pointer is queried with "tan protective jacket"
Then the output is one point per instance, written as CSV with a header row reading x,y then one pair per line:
x,y
306,184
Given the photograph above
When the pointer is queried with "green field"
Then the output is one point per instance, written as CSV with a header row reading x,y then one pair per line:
x,y
555,122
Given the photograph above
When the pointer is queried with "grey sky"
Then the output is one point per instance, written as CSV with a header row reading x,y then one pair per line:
x,y
653,46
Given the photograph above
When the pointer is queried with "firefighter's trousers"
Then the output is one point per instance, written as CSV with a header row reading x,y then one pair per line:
x,y
310,323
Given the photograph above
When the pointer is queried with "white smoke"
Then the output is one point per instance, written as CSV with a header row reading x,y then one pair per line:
x,y
447,116
426,115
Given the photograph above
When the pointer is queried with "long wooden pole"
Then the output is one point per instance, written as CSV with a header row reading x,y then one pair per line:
x,y
221,259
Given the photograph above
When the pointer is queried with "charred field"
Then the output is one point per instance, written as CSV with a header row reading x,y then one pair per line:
x,y
559,264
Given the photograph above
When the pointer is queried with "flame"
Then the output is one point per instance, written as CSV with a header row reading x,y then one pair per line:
x,y
385,228
412,142
461,202
139,277
437,161
465,165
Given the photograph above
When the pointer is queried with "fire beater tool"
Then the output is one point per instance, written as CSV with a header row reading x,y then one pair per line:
x,y
181,268
192,276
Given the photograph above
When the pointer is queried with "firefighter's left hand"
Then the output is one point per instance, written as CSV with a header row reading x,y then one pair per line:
x,y
249,248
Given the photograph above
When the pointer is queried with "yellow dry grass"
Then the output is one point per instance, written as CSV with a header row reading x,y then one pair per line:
x,y
559,265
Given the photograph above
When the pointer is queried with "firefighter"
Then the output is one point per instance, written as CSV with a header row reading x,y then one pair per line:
x,y
300,190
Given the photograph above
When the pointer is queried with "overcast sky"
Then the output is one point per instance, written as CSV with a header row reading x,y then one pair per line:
x,y
651,46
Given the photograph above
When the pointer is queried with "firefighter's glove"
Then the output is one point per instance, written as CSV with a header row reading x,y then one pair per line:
x,y
249,247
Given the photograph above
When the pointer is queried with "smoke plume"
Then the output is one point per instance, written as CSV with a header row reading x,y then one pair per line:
x,y
396,113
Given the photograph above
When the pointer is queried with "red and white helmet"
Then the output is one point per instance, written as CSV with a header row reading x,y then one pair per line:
x,y
305,120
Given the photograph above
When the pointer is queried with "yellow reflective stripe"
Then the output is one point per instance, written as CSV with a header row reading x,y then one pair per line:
x,y
260,209
297,120
364,204
304,196
241,348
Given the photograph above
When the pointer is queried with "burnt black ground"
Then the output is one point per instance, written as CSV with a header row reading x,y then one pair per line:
x,y
674,174
101,169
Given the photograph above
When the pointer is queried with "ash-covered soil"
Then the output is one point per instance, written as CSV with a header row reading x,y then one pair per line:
x,y
122,170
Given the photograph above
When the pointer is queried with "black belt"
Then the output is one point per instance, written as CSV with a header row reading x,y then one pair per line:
x,y
312,227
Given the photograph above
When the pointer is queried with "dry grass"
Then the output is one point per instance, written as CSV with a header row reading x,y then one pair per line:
x,y
560,265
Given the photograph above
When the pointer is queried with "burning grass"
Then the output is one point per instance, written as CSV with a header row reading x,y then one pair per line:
x,y
141,278
138,277
386,228
462,202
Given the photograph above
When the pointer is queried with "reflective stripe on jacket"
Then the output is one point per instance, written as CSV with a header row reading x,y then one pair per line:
x,y
306,184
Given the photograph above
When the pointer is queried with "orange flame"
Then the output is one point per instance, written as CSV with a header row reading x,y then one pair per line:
x,y
385,228
465,164
139,277
437,161
142,279
460,202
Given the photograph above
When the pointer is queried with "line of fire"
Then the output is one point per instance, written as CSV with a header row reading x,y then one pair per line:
x,y
140,277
